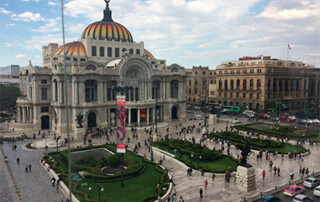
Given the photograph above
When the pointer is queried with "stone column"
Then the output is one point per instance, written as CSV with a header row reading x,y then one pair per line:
x,y
24,114
31,113
129,116
100,92
138,117
147,116
145,91
153,114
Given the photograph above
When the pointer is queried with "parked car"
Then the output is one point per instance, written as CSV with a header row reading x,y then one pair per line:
x,y
198,117
282,117
315,121
264,116
316,191
302,198
269,198
293,190
311,182
303,121
292,118
317,125
309,121
248,112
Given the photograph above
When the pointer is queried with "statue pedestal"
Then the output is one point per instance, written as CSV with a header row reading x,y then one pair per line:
x,y
246,178
213,119
78,133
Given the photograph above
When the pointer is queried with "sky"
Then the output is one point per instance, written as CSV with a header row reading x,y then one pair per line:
x,y
186,32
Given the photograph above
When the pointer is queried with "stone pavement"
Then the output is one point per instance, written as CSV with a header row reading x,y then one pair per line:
x,y
187,186
34,186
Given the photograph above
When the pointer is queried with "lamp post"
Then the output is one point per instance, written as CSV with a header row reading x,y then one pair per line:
x,y
100,189
199,157
57,140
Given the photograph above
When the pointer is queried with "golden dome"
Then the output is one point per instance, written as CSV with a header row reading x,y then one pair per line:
x,y
75,48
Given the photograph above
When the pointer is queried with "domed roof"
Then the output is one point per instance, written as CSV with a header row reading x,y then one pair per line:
x,y
75,48
107,29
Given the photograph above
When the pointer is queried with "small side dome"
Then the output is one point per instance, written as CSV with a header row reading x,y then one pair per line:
x,y
149,54
75,48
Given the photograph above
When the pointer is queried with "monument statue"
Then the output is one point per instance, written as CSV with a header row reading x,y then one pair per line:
x,y
79,120
245,152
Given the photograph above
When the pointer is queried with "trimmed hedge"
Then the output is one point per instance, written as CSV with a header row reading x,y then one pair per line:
x,y
255,143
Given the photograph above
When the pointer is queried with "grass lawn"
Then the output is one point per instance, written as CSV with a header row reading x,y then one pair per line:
x,y
218,166
137,188
211,161
258,144
280,131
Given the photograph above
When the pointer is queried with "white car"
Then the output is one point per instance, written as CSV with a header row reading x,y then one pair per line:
x,y
316,191
309,121
292,117
315,121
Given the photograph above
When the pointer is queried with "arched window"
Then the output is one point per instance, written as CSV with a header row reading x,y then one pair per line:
x,y
131,51
244,84
55,85
258,84
109,52
231,84
226,84
117,53
220,84
94,51
238,84
101,51
138,51
91,90
251,84
174,88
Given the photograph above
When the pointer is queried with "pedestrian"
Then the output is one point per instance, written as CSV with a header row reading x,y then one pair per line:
x,y
181,199
26,169
263,174
53,180
303,170
169,197
307,172
174,184
213,176
278,171
18,160
201,192
300,170
172,197
29,167
291,175
206,184
275,170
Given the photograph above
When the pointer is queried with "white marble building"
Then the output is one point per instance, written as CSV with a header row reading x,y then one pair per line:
x,y
105,57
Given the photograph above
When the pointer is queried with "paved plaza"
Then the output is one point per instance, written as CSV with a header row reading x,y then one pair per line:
x,y
35,186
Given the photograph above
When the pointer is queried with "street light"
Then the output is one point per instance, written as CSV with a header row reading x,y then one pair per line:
x,y
199,157
100,189
57,140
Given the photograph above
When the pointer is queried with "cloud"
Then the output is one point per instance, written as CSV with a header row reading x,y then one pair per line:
x,y
51,3
36,42
21,56
30,0
27,17
51,26
7,44
10,25
4,11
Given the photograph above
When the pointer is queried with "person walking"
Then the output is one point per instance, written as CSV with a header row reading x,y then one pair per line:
x,y
275,170
181,199
29,167
263,174
307,172
172,198
206,184
201,192
300,170
278,171
291,175
303,170
18,160
26,169
53,180
169,197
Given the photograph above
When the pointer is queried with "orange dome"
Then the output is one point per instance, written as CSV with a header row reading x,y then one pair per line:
x,y
75,48
107,30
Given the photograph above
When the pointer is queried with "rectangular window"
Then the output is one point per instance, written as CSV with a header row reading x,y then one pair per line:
x,y
131,51
109,52
117,53
109,97
137,94
101,51
44,95
244,95
43,81
195,91
44,109
138,51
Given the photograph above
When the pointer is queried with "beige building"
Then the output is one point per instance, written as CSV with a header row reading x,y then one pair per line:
x,y
258,82
198,82
104,58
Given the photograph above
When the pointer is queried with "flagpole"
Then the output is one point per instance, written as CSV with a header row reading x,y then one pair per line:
x,y
67,105
288,52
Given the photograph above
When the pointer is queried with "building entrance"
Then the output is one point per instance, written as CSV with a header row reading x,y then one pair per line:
x,y
44,122
92,122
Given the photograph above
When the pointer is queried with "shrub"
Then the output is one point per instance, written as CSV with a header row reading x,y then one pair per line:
x,y
114,160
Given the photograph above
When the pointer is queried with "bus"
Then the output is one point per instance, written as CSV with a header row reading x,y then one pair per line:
x,y
231,109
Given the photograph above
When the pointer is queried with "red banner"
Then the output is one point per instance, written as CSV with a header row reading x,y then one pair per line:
x,y
121,100
121,128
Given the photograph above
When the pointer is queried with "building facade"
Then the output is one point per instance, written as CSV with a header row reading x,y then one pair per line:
x,y
260,82
198,81
104,60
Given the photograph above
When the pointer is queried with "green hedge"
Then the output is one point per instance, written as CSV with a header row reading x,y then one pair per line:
x,y
255,143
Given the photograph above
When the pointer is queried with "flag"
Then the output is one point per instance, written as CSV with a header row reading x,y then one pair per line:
x,y
289,47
